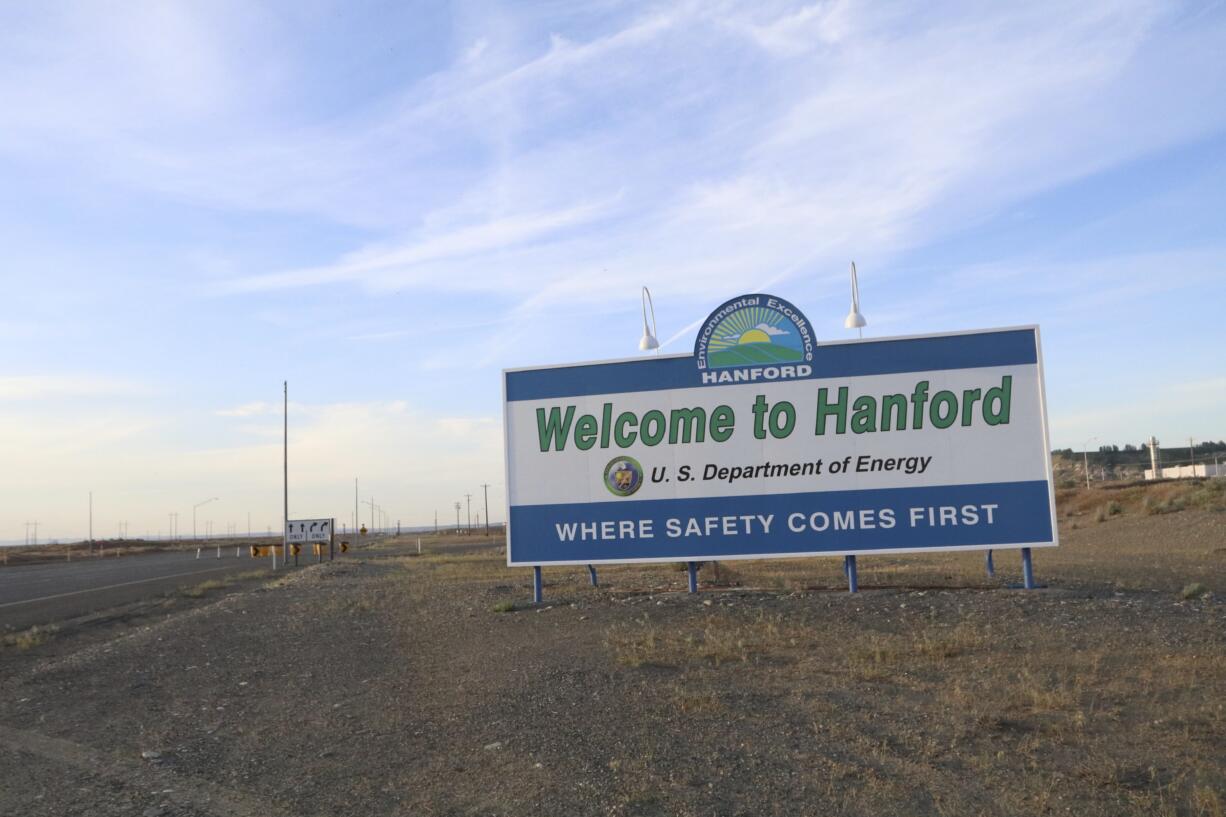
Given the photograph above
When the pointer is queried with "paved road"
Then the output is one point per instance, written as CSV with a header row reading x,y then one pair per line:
x,y
45,593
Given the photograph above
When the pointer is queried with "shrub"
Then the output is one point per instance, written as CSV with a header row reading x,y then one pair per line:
x,y
30,638
1193,591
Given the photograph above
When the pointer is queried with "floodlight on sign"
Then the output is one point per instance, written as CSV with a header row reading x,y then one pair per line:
x,y
648,341
855,320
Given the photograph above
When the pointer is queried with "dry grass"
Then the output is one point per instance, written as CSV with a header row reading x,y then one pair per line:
x,y
905,712
481,567
714,640
202,589
1193,591
199,590
937,700
31,638
1143,498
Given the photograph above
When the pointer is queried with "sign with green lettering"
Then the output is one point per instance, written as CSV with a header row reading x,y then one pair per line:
x,y
766,443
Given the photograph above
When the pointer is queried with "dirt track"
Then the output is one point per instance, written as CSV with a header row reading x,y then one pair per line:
x,y
387,684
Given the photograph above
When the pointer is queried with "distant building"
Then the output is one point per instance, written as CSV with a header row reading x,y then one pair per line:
x,y
1209,469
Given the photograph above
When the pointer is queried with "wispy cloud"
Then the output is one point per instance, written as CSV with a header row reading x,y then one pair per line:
x,y
410,262
248,410
59,386
694,144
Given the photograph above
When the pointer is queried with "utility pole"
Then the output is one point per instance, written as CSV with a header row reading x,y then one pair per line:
x,y
457,517
468,500
485,486
91,521
1192,454
436,520
357,523
284,474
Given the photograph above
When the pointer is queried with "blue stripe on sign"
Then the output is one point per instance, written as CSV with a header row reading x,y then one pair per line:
x,y
1007,348
1022,516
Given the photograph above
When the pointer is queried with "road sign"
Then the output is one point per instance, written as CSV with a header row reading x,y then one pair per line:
x,y
344,547
310,530
764,443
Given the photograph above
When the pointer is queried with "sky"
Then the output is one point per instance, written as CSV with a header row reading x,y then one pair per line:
x,y
387,203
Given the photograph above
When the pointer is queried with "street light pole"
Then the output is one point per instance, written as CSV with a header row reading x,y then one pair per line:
x,y
1085,458
194,507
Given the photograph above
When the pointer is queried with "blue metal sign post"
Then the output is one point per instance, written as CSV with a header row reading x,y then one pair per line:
x,y
1027,570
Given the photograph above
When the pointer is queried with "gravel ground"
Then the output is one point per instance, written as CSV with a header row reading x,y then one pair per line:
x,y
394,684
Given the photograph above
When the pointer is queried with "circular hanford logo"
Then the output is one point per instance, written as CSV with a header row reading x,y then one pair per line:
x,y
623,476
756,330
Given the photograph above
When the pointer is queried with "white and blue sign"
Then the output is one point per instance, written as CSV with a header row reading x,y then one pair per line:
x,y
764,443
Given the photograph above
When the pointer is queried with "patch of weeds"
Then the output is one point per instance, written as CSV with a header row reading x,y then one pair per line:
x,y
1207,802
504,606
1210,495
929,646
718,641
1114,508
688,696
1193,591
199,590
31,638
1154,507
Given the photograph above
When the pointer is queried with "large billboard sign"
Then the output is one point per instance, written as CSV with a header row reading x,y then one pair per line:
x,y
765,443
